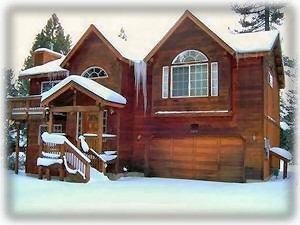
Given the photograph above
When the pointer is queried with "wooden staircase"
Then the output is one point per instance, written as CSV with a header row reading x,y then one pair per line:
x,y
76,165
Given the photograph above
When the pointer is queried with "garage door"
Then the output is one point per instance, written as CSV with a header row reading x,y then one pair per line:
x,y
205,158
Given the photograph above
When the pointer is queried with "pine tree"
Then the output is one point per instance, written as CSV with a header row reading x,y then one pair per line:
x,y
11,89
258,17
52,37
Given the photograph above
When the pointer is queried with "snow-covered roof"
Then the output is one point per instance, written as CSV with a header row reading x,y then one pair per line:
x,y
251,42
90,85
50,51
50,67
282,152
240,42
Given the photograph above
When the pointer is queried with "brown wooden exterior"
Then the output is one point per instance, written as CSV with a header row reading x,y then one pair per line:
x,y
228,144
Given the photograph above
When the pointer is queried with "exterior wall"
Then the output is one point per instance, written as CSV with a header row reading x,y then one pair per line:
x,y
241,90
43,57
271,112
35,83
93,52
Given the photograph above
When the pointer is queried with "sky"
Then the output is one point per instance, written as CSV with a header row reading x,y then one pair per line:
x,y
143,26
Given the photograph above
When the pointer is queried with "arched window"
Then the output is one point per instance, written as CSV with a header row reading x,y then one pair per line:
x,y
190,56
190,76
94,72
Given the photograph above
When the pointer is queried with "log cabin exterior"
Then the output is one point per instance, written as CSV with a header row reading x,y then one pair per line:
x,y
207,111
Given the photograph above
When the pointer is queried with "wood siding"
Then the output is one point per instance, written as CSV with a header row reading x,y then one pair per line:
x,y
206,158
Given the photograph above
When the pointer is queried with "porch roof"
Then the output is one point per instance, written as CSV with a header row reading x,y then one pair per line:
x,y
92,87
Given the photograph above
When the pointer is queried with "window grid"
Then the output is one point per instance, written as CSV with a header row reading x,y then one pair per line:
x,y
47,85
185,78
94,72
214,79
165,82
189,56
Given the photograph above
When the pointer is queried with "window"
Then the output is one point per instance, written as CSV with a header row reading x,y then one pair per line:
x,y
214,79
192,78
47,85
94,72
189,56
165,82
104,121
189,80
270,79
57,128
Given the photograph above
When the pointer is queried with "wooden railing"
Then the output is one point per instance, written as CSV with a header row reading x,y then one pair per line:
x,y
76,163
22,107
77,160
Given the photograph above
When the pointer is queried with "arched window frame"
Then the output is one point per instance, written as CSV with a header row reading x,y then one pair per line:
x,y
181,57
197,61
94,67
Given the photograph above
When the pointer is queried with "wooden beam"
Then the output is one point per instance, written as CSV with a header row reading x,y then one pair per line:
x,y
100,129
77,108
285,170
17,147
50,121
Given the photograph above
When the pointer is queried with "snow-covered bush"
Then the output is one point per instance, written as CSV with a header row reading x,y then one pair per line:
x,y
11,160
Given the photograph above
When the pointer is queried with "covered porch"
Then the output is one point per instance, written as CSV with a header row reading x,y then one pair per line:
x,y
87,107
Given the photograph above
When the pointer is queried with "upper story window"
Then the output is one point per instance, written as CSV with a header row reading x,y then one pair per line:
x,y
190,56
47,85
94,72
192,77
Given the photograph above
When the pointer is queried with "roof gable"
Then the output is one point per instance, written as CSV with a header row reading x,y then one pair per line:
x,y
93,30
87,86
188,15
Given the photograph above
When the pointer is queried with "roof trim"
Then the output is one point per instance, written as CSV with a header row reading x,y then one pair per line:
x,y
188,14
92,29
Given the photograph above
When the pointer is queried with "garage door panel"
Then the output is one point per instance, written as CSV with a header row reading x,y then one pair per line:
x,y
208,158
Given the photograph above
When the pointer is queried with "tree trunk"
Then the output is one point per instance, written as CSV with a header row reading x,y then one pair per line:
x,y
267,18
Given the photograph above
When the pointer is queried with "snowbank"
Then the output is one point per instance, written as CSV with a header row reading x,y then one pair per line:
x,y
282,152
90,85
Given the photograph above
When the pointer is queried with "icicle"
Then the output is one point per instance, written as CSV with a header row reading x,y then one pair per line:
x,y
140,75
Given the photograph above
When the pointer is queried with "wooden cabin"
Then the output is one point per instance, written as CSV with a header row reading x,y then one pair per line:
x,y
198,106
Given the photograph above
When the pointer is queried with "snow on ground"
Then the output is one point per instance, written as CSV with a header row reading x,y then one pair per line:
x,y
139,195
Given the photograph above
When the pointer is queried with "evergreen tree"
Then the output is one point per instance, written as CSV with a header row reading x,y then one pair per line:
x,y
10,84
258,17
52,37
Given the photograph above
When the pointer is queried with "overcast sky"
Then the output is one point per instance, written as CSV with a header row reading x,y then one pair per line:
x,y
144,27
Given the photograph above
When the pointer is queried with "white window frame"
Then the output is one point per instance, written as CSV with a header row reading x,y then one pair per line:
x,y
194,61
189,84
211,78
52,82
93,67
165,81
270,79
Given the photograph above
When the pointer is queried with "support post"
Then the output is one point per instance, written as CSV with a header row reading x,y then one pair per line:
x,y
285,170
100,129
17,147
50,122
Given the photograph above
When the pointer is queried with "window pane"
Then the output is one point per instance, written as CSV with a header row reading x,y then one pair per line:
x,y
165,82
94,72
47,85
214,79
180,83
199,80
188,56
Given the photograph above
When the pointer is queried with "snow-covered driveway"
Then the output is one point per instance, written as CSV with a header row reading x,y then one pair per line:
x,y
138,195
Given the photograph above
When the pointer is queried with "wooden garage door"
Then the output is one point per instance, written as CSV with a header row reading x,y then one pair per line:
x,y
207,158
